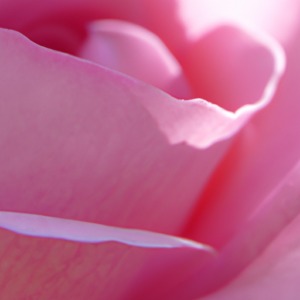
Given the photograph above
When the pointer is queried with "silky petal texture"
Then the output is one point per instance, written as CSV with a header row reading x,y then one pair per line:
x,y
277,17
273,275
228,68
50,258
77,162
222,123
278,209
276,175
49,227
78,143
186,18
174,31
137,52
65,13
262,154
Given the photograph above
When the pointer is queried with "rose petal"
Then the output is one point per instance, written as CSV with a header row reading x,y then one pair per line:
x,y
64,155
261,156
78,143
228,67
273,275
277,17
278,209
263,153
49,227
137,52
68,13
47,258
214,122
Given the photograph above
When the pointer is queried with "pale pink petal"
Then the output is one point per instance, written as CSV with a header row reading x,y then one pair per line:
x,y
185,21
78,144
277,17
137,52
229,67
277,210
201,123
50,227
240,212
266,149
50,258
274,275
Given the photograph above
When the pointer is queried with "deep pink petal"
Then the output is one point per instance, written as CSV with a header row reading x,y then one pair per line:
x,y
137,52
50,258
69,14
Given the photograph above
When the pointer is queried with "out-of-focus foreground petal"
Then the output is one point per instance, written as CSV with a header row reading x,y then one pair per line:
x,y
137,52
50,258
83,142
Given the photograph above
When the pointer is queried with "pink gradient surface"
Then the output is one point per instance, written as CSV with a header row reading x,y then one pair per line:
x,y
104,168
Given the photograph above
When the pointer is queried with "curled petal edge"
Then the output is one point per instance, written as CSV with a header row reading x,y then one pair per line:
x,y
200,123
197,122
85,232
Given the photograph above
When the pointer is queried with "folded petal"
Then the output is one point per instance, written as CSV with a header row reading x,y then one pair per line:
x,y
250,180
78,142
263,153
239,73
50,258
275,213
229,67
137,52
71,16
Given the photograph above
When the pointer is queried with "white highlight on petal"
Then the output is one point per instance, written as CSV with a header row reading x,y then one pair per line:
x,y
72,230
200,123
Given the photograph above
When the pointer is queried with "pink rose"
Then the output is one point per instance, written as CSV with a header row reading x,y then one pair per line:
x,y
112,186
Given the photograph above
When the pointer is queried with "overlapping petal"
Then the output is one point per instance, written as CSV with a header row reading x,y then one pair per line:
x,y
271,218
65,14
47,258
264,152
77,143
78,140
137,52
272,275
